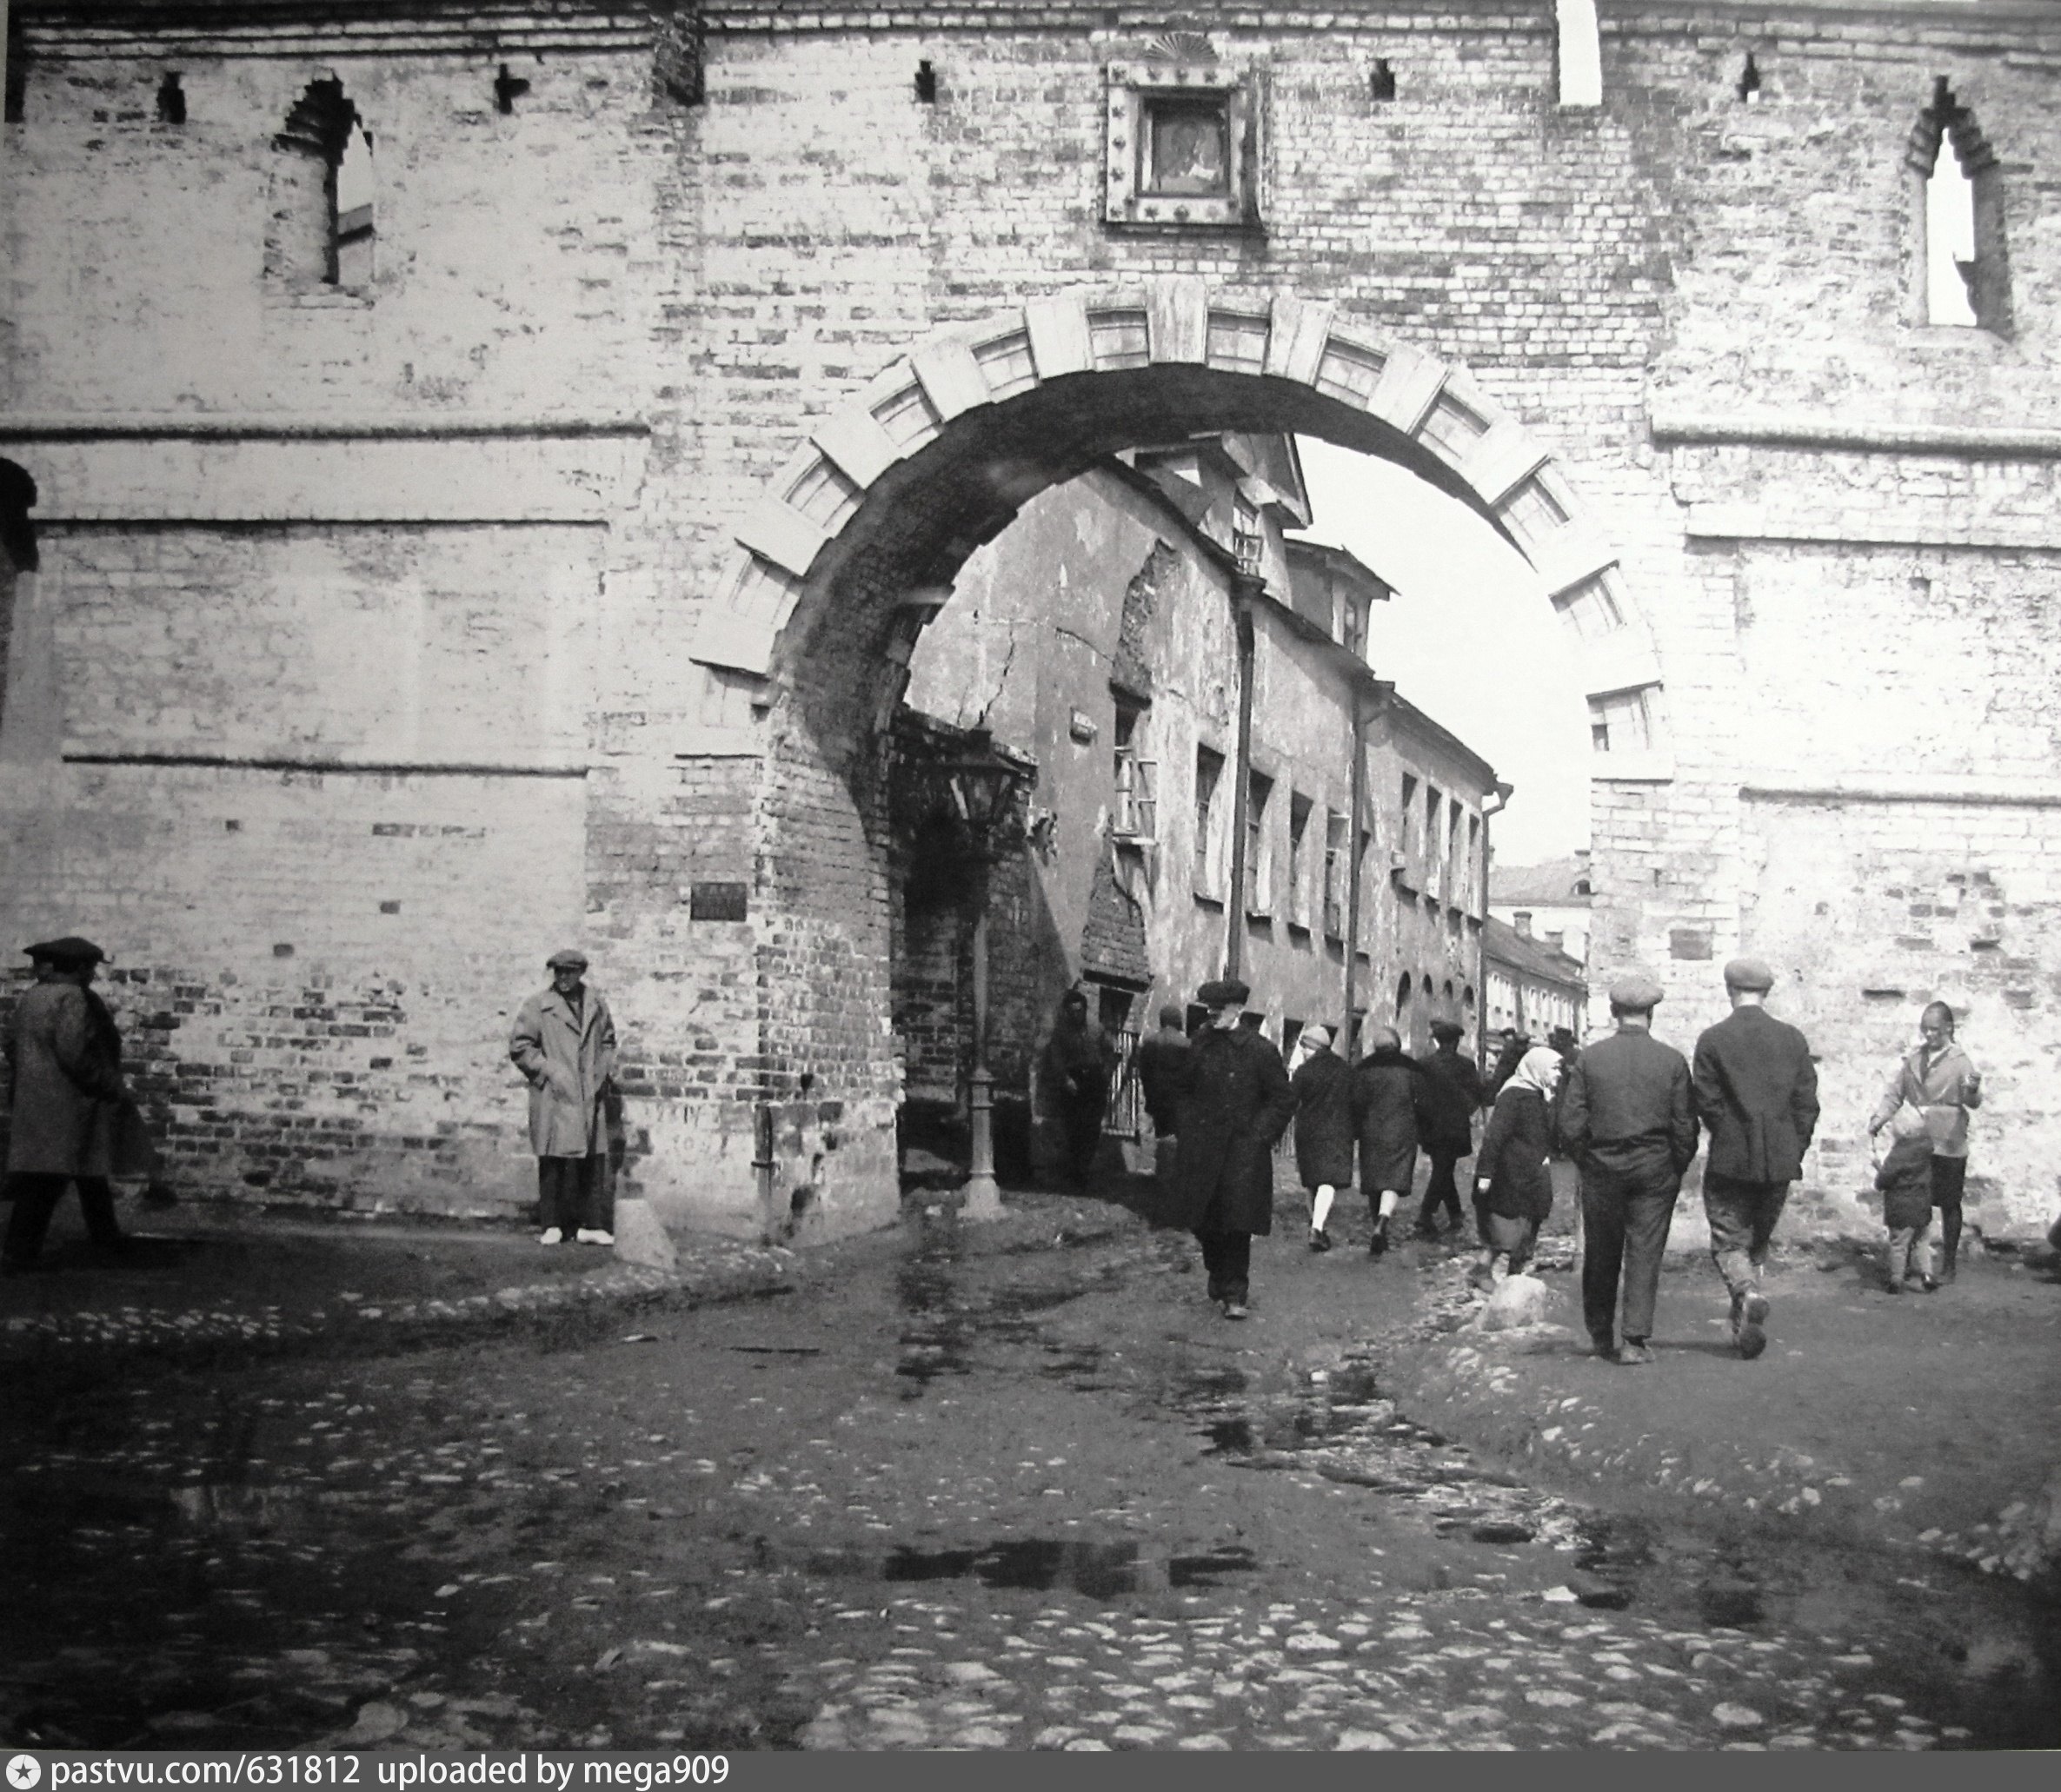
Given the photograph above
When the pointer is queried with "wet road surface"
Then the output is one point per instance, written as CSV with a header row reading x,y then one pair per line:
x,y
1016,1488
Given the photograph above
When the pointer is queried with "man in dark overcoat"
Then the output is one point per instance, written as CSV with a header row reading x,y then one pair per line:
x,y
1628,1122
1757,1094
1237,1105
1447,1094
62,1082
1385,1122
1079,1060
1162,1072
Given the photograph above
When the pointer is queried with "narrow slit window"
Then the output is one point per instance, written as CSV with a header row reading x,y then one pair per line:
x,y
1950,242
1960,274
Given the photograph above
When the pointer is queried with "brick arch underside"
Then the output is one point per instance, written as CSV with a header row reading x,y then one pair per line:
x,y
892,494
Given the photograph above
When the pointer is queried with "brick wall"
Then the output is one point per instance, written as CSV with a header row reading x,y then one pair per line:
x,y
1699,307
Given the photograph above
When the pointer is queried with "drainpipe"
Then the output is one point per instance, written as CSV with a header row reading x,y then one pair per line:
x,y
1500,796
1244,588
762,1162
1358,809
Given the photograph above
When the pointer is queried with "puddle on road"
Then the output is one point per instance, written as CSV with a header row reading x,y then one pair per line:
x,y
1104,1572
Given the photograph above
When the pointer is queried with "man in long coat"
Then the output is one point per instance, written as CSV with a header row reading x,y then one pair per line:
x,y
1237,1105
564,1044
63,1084
1162,1072
1628,1120
1757,1094
1447,1095
1079,1060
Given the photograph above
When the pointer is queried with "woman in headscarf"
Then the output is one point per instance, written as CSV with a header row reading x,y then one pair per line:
x,y
1323,1126
1384,1104
1512,1181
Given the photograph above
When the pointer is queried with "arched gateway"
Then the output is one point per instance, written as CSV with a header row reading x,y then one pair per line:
x,y
855,543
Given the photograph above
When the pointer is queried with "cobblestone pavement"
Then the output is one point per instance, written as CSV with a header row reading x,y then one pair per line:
x,y
1020,1488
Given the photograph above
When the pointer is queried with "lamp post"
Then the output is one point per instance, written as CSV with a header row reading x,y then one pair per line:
x,y
983,788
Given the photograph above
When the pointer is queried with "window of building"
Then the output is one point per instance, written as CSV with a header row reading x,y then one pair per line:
x,y
1209,769
1409,839
1960,274
1299,828
319,232
1336,873
1259,861
1181,142
1134,807
1247,543
1470,895
1434,841
1619,722
1291,1031
1352,616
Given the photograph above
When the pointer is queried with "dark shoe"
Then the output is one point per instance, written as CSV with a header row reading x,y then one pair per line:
x,y
1378,1244
1603,1345
1635,1355
1234,1310
1320,1239
1931,1285
1946,1270
1752,1335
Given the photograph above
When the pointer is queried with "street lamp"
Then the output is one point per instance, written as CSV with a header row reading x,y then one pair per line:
x,y
983,786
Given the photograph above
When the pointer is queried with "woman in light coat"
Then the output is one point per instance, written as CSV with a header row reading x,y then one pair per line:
x,y
1938,1079
62,1088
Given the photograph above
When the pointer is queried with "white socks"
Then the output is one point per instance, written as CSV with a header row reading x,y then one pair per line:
x,y
1321,1206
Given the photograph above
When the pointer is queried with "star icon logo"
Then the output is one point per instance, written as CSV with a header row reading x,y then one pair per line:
x,y
25,1772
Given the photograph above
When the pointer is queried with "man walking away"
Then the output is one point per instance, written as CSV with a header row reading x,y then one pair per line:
x,y
1162,1071
62,1086
1757,1094
1323,1127
564,1044
1628,1121
1238,1105
1939,1080
1447,1095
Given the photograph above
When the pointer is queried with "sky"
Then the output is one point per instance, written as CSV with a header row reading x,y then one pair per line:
x,y
1470,638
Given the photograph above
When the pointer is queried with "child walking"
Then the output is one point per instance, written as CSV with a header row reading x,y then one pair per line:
x,y
1905,1180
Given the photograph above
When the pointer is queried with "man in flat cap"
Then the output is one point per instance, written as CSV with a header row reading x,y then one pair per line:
x,y
564,1044
1757,1092
63,1077
1236,1105
1627,1120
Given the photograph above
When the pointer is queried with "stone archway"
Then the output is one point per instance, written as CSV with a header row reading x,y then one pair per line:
x,y
1038,392
854,545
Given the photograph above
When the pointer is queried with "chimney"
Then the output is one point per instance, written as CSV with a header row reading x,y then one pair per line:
x,y
1522,921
